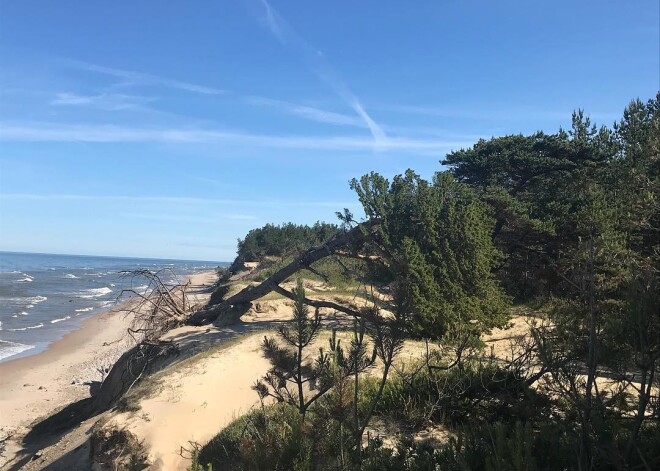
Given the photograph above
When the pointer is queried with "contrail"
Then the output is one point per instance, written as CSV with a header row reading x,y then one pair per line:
x,y
317,62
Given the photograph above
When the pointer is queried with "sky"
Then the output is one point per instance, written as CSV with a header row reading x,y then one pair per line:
x,y
170,129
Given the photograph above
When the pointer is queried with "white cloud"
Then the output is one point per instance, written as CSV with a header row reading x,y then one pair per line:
x,y
341,119
276,24
103,101
53,132
137,78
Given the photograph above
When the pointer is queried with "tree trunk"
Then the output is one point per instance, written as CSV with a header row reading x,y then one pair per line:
x,y
591,358
357,235
646,383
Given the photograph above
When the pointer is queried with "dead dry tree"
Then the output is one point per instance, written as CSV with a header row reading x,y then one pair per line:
x,y
155,305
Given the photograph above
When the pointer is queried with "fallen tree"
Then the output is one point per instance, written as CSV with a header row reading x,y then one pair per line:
x,y
156,307
335,246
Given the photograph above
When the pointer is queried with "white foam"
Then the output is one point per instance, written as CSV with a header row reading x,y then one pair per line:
x,y
29,299
26,279
96,292
85,309
26,328
54,321
8,349
23,313
70,275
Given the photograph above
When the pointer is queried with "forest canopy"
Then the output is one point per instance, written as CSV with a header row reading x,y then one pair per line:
x,y
279,240
565,225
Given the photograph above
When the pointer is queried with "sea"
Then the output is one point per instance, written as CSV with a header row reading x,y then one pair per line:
x,y
45,296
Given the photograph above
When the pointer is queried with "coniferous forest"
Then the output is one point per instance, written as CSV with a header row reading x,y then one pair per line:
x,y
563,226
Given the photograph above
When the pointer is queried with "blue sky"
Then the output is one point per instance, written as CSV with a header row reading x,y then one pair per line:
x,y
169,129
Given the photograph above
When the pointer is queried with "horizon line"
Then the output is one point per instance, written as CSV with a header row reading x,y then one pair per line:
x,y
21,252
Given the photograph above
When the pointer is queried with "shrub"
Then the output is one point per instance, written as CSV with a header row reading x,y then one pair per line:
x,y
408,456
475,389
508,447
269,438
113,448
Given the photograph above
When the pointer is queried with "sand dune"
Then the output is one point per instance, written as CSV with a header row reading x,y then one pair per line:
x,y
36,386
194,399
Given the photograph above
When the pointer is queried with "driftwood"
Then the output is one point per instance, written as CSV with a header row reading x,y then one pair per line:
x,y
355,236
158,307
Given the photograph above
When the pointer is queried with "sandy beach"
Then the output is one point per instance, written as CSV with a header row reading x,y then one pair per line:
x,y
181,406
35,386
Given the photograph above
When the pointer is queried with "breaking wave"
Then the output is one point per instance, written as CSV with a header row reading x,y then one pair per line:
x,y
8,349
39,325
96,292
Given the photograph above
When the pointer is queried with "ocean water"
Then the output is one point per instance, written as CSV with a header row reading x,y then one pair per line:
x,y
45,296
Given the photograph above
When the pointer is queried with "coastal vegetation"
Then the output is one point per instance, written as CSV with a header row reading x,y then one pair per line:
x,y
278,241
502,314
561,227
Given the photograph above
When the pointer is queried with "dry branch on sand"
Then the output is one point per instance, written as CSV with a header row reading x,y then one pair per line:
x,y
158,307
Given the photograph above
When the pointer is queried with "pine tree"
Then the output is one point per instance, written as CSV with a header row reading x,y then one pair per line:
x,y
435,249
292,378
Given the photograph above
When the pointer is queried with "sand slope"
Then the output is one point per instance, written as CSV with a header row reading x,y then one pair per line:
x,y
195,401
34,387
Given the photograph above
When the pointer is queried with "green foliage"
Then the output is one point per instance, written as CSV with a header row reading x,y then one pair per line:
x,y
473,390
536,186
347,404
278,241
435,244
548,445
570,219
504,447
407,456
578,219
548,191
269,438
267,270
290,373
